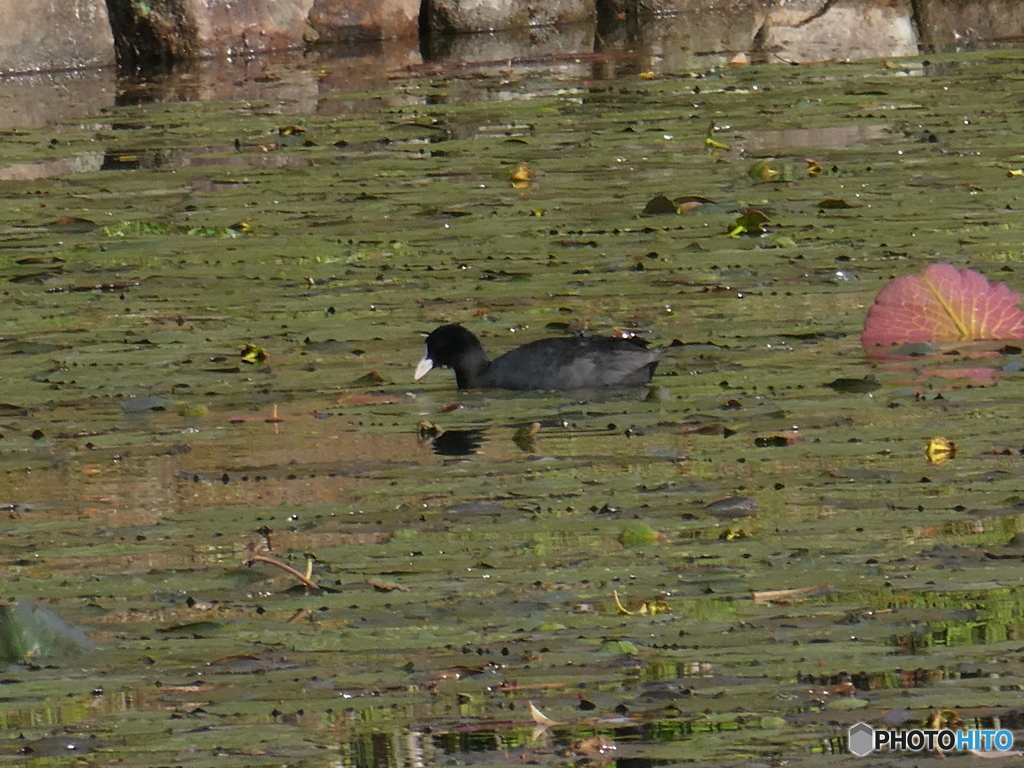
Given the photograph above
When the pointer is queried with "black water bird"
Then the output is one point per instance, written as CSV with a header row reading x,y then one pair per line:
x,y
571,362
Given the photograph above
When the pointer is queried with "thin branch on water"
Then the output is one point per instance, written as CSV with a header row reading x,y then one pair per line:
x,y
258,558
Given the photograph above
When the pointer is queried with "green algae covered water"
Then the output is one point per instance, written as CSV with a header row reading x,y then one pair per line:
x,y
211,313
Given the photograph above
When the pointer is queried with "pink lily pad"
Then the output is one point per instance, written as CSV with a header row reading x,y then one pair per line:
x,y
943,305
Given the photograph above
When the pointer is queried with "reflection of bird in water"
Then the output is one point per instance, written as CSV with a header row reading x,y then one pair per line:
x,y
452,442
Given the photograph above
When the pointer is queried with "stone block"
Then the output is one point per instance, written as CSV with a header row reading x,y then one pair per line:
x,y
48,35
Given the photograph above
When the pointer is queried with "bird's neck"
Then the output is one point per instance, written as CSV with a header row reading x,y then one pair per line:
x,y
473,365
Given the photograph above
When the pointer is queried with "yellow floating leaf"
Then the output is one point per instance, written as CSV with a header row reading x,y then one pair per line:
x,y
763,170
252,354
939,450
522,176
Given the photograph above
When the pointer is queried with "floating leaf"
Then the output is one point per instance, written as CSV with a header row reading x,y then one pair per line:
x,y
763,170
521,177
692,201
943,305
939,450
689,205
750,222
638,534
252,354
659,204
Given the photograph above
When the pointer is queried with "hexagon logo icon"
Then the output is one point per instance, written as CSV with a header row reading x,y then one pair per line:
x,y
861,739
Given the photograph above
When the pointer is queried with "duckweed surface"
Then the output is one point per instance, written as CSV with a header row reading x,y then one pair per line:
x,y
209,326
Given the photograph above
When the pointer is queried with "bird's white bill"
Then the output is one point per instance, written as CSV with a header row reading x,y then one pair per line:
x,y
423,368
